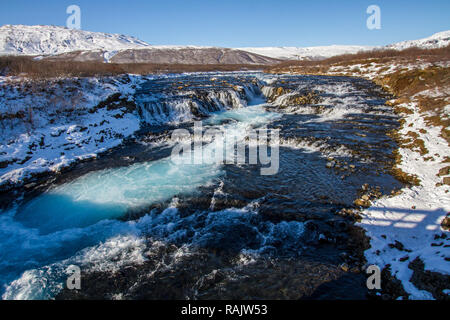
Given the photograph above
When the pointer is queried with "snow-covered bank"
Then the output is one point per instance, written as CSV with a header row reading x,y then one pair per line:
x,y
49,126
44,40
437,40
408,226
406,229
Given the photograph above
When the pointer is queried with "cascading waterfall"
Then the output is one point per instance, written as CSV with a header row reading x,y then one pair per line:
x,y
82,213
169,108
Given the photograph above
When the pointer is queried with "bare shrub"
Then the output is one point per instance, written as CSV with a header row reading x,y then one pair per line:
x,y
11,65
377,55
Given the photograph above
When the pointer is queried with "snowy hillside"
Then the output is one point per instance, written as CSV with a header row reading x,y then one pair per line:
x,y
43,40
306,53
62,43
437,40
53,40
169,55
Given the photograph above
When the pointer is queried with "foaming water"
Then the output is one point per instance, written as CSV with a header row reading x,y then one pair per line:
x,y
252,115
109,194
50,229
121,244
25,248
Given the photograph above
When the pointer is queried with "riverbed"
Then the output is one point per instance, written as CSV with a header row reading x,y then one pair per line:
x,y
143,227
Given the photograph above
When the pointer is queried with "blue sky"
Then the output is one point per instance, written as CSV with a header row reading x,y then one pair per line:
x,y
240,23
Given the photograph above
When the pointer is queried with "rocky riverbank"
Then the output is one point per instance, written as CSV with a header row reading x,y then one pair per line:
x,y
410,227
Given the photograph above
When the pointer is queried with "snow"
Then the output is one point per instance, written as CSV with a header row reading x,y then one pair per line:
x,y
52,40
413,217
54,141
63,125
437,40
40,41
305,53
375,70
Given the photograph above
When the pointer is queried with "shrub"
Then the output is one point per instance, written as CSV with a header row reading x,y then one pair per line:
x,y
12,65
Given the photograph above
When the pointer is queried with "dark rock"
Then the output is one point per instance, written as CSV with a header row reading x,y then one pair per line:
x,y
432,282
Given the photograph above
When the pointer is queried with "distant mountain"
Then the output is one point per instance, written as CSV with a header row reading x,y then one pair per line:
x,y
51,40
437,40
306,53
170,55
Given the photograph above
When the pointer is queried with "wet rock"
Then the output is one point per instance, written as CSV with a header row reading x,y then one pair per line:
x,y
344,267
343,255
391,287
362,203
446,181
226,236
340,224
433,282
30,185
323,238
444,171
330,165
397,245
446,223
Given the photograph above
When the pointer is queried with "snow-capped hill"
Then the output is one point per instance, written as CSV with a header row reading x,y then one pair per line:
x,y
306,53
167,55
96,46
50,40
437,40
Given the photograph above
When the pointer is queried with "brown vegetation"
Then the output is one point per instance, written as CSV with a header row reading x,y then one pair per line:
x,y
367,57
14,66
406,84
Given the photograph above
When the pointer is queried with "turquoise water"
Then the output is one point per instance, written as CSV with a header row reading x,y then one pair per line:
x,y
83,213
110,194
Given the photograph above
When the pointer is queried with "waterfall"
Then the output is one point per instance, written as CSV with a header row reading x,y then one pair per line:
x,y
177,107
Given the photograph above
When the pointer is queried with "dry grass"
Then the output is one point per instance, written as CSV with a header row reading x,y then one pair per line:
x,y
367,57
406,84
41,69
